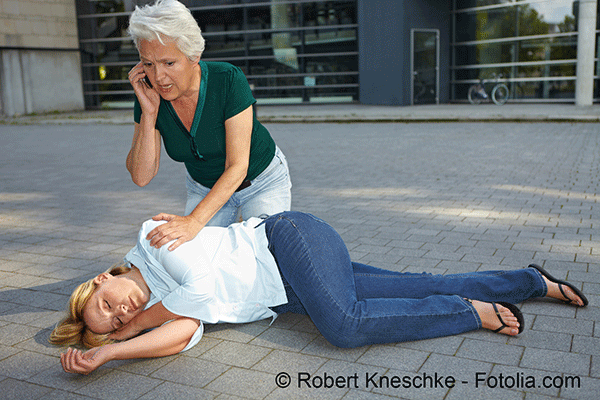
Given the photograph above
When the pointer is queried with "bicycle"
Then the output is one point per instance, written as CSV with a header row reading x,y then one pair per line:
x,y
499,95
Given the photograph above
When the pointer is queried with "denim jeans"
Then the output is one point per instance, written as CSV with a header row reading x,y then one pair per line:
x,y
268,194
355,305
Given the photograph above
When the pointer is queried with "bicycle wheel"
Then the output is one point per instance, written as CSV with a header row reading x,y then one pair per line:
x,y
473,94
500,94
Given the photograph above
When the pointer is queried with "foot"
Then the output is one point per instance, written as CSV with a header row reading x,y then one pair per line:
x,y
489,319
567,294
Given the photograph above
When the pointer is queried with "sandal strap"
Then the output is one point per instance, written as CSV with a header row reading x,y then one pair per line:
x,y
567,298
499,318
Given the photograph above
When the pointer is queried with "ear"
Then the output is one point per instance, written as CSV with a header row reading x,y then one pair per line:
x,y
102,277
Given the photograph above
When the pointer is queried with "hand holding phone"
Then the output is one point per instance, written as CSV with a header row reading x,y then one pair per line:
x,y
147,81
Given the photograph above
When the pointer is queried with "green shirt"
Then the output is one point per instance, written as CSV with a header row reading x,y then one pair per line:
x,y
224,93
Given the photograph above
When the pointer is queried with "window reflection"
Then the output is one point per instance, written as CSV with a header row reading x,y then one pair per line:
x,y
533,44
295,49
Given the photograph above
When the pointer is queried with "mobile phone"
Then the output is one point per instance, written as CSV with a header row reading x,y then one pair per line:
x,y
147,81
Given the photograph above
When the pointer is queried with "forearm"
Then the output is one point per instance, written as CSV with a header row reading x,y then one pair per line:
x,y
165,340
220,193
144,157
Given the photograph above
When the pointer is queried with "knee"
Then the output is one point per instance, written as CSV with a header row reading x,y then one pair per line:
x,y
343,335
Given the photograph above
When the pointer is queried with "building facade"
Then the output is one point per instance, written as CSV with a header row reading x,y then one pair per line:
x,y
40,67
387,52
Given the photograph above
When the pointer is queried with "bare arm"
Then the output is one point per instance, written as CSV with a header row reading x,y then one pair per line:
x,y
144,157
238,134
165,340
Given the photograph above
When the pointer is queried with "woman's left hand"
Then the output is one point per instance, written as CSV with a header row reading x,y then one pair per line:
x,y
180,229
77,362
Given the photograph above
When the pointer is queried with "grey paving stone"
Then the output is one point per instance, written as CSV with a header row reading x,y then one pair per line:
x,y
190,371
586,345
13,389
170,391
321,347
55,377
393,384
236,354
237,333
556,361
588,390
482,350
543,340
444,345
461,369
119,384
293,363
394,357
564,325
244,383
283,339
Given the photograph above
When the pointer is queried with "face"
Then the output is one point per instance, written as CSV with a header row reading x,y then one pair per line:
x,y
171,73
116,300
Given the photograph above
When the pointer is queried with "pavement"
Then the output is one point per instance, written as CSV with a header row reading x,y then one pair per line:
x,y
434,196
347,113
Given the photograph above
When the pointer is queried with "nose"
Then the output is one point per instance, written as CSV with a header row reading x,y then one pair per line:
x,y
122,309
159,73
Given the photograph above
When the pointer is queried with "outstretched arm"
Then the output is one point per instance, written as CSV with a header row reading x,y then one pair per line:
x,y
165,340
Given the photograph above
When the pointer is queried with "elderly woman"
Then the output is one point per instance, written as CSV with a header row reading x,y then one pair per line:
x,y
288,262
203,112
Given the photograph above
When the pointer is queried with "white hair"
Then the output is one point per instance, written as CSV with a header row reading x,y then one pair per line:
x,y
167,20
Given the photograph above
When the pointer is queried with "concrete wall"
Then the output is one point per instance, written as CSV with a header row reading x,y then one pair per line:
x,y
385,48
39,58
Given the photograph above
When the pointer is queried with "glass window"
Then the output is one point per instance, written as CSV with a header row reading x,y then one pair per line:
x,y
548,17
289,50
491,39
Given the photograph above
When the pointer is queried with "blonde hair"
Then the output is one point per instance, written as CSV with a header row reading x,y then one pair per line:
x,y
72,331
167,20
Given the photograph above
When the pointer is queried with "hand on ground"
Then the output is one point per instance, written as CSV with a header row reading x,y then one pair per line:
x,y
77,362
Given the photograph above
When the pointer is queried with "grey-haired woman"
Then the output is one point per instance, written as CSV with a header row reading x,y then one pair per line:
x,y
203,113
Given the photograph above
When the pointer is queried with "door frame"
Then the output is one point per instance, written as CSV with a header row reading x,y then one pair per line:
x,y
412,63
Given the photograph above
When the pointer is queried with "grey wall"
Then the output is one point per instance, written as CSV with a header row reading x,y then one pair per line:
x,y
37,81
384,47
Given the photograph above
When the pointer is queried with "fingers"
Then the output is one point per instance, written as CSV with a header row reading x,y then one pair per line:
x,y
164,217
178,229
136,74
73,362
159,237
177,243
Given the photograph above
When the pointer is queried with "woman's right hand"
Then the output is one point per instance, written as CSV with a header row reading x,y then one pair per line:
x,y
78,362
148,97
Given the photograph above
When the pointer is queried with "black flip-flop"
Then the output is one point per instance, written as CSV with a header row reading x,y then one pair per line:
x,y
514,310
560,285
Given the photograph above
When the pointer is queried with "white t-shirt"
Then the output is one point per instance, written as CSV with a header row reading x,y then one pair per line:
x,y
222,275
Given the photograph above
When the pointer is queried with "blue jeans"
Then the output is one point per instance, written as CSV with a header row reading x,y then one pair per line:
x,y
355,305
268,194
